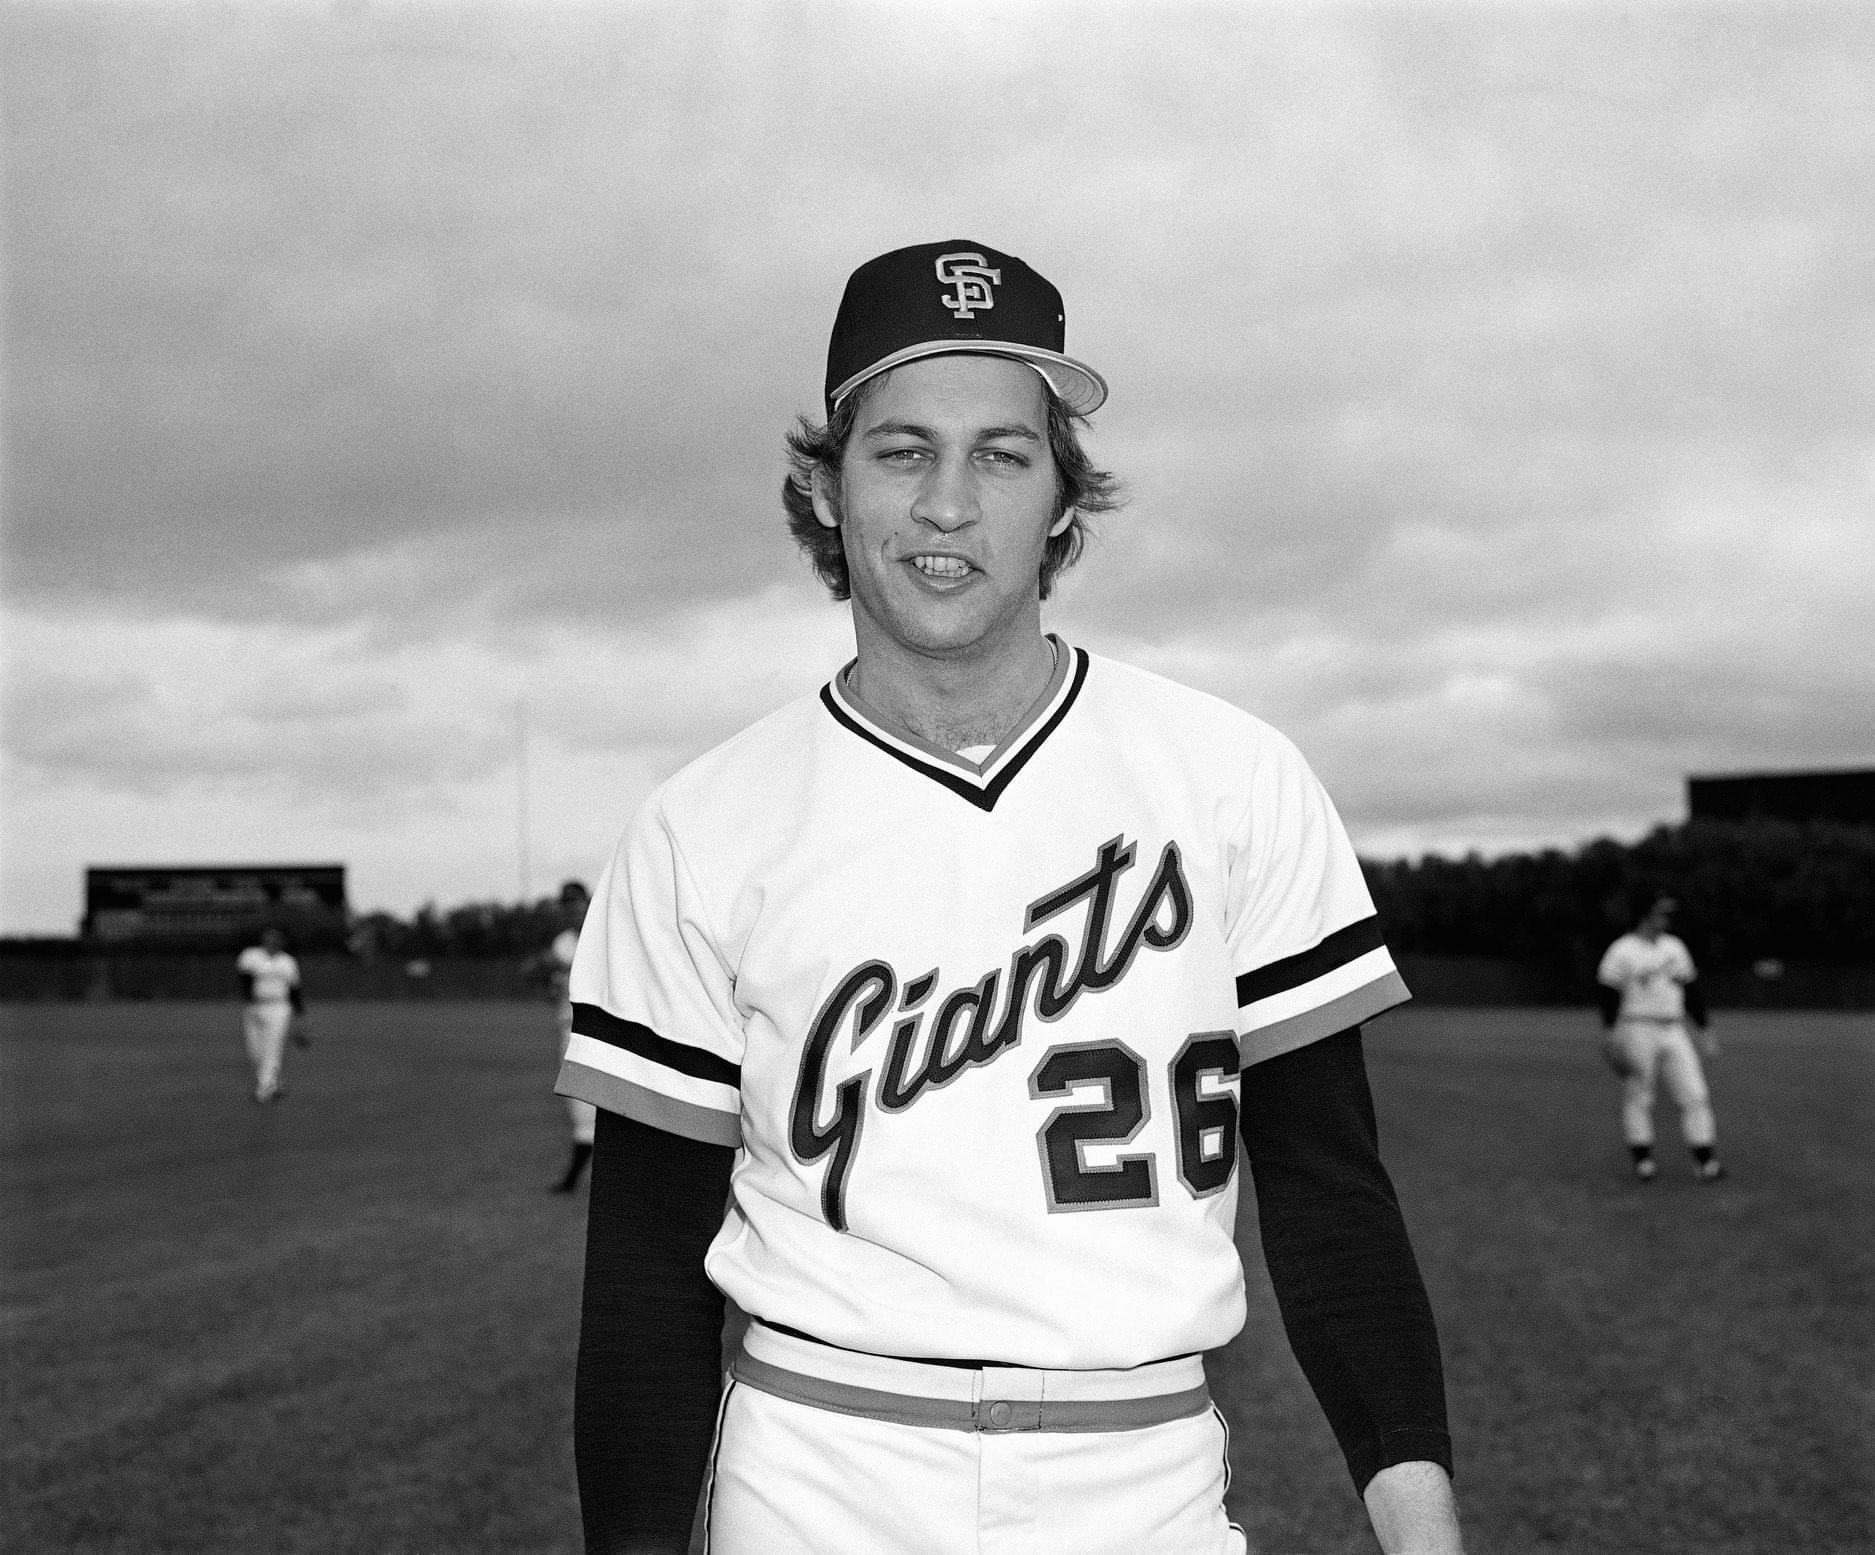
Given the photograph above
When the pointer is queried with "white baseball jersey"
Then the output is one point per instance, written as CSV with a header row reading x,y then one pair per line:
x,y
977,1027
1650,974
275,973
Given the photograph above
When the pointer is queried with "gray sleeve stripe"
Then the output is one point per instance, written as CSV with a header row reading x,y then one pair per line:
x,y
642,1105
1360,1004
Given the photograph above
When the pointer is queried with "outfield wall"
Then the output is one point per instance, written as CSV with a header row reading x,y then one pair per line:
x,y
57,970
71,969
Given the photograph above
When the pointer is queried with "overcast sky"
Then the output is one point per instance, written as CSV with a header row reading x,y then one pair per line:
x,y
1495,387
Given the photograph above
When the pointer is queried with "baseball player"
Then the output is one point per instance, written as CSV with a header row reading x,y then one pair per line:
x,y
573,903
273,1001
931,1017
1649,989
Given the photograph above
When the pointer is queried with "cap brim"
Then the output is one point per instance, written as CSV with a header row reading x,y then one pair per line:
x,y
1080,388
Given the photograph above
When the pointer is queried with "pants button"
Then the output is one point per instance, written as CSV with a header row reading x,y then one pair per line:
x,y
999,1414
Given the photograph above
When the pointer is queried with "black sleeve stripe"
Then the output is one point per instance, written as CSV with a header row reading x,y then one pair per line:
x,y
603,1026
1338,949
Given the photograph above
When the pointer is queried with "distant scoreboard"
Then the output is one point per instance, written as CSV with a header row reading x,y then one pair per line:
x,y
170,903
1847,796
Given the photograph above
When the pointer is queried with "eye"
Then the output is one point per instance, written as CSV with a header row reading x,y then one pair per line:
x,y
1005,456
909,454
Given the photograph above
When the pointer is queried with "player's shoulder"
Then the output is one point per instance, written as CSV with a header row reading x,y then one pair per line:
x,y
1619,953
253,955
1194,720
747,771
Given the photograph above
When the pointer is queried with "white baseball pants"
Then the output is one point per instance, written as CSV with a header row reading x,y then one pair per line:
x,y
264,1025
793,1478
1650,1052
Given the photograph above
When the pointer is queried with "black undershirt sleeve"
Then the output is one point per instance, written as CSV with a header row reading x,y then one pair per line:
x,y
1608,1001
1349,1289
1695,998
651,1324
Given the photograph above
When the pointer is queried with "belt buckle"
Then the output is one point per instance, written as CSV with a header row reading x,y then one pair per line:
x,y
996,1415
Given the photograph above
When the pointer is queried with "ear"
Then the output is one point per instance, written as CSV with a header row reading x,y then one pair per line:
x,y
824,510
1060,525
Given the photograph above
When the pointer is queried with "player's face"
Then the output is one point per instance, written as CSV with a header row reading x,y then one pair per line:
x,y
947,498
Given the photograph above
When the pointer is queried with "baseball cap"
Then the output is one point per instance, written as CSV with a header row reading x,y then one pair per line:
x,y
936,299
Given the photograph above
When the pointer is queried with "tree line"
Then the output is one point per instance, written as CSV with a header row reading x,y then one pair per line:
x,y
478,930
1749,891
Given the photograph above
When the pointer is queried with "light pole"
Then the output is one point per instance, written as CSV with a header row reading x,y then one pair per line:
x,y
520,798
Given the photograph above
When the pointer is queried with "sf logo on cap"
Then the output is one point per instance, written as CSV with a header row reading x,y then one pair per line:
x,y
972,278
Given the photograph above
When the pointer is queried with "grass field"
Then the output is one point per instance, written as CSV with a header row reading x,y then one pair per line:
x,y
347,1323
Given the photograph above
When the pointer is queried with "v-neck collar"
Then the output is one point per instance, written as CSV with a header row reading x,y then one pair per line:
x,y
981,783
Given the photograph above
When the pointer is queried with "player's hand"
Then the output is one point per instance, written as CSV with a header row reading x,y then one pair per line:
x,y
302,1033
1708,1042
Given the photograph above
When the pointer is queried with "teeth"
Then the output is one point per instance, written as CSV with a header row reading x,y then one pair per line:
x,y
941,566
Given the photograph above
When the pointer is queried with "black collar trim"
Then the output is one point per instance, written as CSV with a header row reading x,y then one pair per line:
x,y
984,789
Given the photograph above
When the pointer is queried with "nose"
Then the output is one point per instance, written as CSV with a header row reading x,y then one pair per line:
x,y
947,497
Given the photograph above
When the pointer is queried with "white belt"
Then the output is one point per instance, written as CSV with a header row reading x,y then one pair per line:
x,y
968,1398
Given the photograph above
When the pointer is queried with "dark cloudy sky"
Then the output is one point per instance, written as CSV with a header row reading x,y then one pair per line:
x,y
1495,385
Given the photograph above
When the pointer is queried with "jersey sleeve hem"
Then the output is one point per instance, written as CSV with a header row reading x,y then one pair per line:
x,y
1350,943
603,1058
1363,1002
627,1068
614,1093
601,1026
1340,963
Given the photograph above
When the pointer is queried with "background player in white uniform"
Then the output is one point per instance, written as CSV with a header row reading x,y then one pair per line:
x,y
1649,990
573,903
270,986
963,981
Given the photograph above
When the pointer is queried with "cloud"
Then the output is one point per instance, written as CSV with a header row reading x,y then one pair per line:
x,y
289,288
428,762
347,717
1466,688
215,706
1494,386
